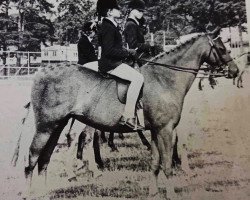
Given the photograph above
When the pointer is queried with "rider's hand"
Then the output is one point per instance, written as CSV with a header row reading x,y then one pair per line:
x,y
153,50
132,52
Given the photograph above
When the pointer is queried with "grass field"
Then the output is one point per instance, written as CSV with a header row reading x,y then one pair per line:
x,y
215,121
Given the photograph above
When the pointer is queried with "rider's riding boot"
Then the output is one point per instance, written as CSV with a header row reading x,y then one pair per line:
x,y
131,123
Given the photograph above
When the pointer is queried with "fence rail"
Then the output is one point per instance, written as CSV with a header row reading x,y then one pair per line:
x,y
19,64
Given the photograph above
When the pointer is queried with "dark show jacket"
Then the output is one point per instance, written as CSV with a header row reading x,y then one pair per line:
x,y
112,52
86,51
134,36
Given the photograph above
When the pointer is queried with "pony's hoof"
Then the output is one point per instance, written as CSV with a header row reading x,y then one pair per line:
x,y
79,156
155,196
121,136
114,150
72,179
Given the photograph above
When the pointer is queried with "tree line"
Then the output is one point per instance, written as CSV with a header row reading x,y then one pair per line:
x,y
27,23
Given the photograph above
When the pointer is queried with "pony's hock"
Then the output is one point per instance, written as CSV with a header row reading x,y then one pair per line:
x,y
55,93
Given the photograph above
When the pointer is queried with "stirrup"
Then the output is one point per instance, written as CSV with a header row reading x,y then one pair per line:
x,y
131,123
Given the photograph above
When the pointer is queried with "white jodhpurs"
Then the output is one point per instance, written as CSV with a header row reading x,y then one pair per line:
x,y
128,73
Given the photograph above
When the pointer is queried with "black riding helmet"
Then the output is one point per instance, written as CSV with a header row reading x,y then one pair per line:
x,y
136,4
89,26
103,6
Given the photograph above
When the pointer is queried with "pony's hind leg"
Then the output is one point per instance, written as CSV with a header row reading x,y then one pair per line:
x,y
40,140
46,153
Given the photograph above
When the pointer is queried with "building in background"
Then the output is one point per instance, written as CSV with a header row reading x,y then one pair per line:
x,y
58,53
233,41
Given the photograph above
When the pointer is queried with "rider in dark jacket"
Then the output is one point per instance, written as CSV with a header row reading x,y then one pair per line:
x,y
110,40
112,55
86,50
133,32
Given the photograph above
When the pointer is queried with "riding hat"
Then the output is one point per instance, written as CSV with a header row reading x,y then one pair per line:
x,y
137,4
103,6
89,26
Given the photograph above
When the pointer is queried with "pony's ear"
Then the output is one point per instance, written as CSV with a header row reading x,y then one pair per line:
x,y
213,31
216,32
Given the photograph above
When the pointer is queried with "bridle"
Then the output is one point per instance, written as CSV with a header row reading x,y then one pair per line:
x,y
216,53
218,57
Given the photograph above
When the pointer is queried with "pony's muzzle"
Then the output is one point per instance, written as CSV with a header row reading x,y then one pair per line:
x,y
231,71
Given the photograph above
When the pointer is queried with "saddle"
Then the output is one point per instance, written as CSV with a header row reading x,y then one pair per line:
x,y
121,85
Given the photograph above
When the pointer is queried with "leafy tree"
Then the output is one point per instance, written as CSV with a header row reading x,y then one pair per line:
x,y
71,16
196,14
28,27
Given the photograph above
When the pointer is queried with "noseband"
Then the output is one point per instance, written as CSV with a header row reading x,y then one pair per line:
x,y
218,57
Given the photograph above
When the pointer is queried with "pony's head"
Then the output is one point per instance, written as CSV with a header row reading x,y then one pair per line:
x,y
218,56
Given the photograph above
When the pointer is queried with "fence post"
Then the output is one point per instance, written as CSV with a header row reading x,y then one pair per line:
x,y
164,39
28,63
152,39
8,76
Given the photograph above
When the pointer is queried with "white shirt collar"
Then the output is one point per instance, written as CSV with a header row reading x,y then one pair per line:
x,y
88,37
113,21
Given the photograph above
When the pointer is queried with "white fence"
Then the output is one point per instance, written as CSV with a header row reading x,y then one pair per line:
x,y
29,63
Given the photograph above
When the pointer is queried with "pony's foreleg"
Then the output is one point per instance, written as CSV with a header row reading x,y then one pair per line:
x,y
111,142
103,137
241,79
238,81
183,154
81,144
144,140
166,150
176,162
121,136
165,146
200,86
68,136
96,146
155,167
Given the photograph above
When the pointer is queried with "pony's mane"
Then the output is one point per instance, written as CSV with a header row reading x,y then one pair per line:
x,y
182,41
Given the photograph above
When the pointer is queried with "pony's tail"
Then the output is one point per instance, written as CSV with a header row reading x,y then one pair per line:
x,y
17,149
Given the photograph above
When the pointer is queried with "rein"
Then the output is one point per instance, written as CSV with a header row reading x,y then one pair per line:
x,y
194,70
182,69
235,58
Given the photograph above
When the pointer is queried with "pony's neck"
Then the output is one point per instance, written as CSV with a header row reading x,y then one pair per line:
x,y
187,55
